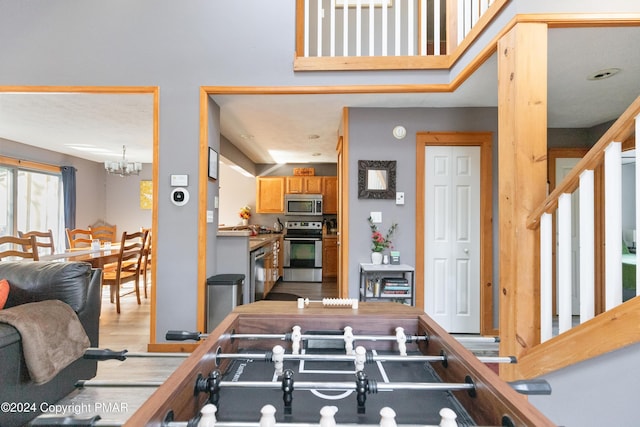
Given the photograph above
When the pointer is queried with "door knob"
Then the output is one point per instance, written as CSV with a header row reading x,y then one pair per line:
x,y
466,250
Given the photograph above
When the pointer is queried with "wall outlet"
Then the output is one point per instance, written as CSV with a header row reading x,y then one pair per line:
x,y
400,198
376,217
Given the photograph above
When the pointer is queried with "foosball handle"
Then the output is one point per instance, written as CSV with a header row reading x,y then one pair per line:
x,y
65,421
531,387
104,354
183,336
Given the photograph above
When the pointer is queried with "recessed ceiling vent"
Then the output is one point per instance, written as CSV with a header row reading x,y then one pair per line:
x,y
604,74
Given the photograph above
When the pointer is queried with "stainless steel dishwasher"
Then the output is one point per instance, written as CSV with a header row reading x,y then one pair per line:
x,y
257,272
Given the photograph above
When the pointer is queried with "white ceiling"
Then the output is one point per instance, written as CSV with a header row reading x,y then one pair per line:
x,y
276,128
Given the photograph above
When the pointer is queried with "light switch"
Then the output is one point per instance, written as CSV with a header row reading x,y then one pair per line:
x,y
209,216
376,217
216,202
400,198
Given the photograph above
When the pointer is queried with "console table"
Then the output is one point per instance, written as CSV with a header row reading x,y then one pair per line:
x,y
387,282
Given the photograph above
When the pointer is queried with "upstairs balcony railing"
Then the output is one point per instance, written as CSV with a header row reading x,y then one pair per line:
x,y
384,34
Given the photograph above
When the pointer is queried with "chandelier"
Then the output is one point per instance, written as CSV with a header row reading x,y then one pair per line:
x,y
123,167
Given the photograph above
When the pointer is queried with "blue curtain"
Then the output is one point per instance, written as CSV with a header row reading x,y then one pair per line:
x,y
69,193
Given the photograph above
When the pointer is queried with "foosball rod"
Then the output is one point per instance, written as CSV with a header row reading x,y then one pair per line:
x,y
197,336
299,385
351,358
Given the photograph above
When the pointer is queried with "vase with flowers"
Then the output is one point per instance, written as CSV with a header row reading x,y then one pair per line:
x,y
245,214
380,242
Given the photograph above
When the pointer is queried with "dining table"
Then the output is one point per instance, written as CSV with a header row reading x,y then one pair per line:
x,y
98,258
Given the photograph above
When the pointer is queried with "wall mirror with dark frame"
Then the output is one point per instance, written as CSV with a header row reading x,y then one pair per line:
x,y
376,179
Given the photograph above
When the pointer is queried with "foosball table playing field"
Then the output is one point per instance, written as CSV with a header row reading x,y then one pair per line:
x,y
276,363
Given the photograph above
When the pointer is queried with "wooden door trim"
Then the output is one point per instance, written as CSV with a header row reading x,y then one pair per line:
x,y
483,140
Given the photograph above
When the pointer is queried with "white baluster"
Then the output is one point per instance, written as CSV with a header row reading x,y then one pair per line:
x,y
319,13
306,28
564,262
587,245
613,224
546,277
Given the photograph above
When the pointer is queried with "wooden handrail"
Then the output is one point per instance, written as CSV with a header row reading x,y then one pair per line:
x,y
611,330
620,131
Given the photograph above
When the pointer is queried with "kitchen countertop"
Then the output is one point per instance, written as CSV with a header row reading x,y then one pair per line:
x,y
256,242
234,233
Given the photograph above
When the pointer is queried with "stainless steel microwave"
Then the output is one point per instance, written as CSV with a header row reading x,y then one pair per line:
x,y
303,204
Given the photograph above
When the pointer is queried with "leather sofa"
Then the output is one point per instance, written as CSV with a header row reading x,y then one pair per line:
x,y
74,283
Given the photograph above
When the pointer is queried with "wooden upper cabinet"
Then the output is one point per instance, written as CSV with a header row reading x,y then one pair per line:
x,y
330,194
270,194
304,185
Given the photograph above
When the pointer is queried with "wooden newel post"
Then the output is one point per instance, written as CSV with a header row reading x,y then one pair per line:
x,y
522,178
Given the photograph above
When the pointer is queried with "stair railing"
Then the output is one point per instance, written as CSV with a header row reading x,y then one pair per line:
x,y
607,153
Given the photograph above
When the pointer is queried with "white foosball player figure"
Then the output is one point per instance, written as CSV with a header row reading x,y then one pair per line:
x,y
208,416
348,340
448,418
296,337
327,416
361,358
402,340
387,417
278,359
268,418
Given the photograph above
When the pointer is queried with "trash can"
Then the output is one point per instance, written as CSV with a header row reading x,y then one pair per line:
x,y
224,293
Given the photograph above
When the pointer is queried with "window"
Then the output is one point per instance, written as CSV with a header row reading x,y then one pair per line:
x,y
31,200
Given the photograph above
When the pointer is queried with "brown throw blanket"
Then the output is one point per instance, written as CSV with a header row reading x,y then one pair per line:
x,y
52,336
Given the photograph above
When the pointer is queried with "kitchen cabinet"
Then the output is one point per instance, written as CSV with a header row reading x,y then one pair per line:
x,y
304,185
270,194
329,256
330,194
387,282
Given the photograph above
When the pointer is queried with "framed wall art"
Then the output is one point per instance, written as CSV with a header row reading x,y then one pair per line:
x,y
376,179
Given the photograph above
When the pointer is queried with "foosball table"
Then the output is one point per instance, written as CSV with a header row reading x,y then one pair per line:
x,y
277,363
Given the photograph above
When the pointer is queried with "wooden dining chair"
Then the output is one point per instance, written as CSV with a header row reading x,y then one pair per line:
x,y
127,267
14,247
79,238
44,241
104,233
146,263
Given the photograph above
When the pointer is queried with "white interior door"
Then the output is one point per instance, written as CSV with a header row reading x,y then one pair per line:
x,y
452,237
563,167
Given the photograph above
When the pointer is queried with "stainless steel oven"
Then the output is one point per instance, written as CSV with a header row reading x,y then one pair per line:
x,y
303,251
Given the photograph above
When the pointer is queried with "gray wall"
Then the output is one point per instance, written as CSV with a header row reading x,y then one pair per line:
x,y
370,138
122,201
595,393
